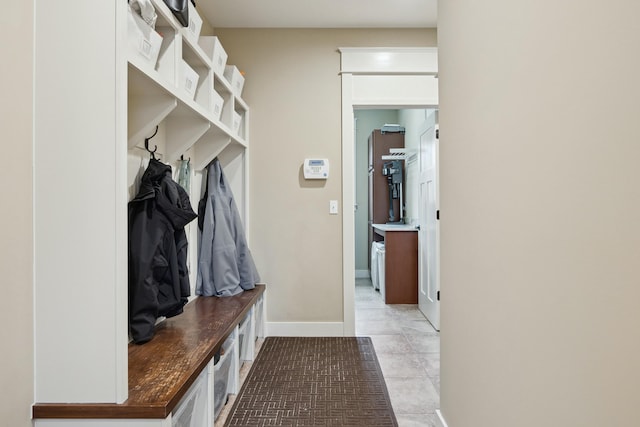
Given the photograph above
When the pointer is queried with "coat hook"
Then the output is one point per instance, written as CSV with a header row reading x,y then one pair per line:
x,y
146,144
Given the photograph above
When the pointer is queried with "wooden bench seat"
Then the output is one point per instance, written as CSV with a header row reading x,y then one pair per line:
x,y
162,370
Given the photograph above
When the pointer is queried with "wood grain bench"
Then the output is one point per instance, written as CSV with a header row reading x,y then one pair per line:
x,y
162,371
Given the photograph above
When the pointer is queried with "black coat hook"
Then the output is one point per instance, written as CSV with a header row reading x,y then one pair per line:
x,y
182,158
146,145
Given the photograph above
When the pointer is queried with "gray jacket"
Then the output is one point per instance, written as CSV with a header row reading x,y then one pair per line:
x,y
225,264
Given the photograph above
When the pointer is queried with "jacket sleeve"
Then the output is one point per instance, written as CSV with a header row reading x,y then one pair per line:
x,y
143,300
204,281
247,271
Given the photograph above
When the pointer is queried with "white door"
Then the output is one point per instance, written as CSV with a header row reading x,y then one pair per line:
x,y
429,234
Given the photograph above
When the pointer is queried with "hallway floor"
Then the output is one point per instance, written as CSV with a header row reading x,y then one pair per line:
x,y
408,349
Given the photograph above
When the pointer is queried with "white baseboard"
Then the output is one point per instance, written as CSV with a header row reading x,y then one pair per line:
x,y
440,422
363,274
305,329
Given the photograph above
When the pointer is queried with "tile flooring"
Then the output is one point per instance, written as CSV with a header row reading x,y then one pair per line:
x,y
408,349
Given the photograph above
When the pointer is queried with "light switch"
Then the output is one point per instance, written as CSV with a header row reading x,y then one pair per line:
x,y
333,207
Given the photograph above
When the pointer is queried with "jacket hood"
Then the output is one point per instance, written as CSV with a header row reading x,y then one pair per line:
x,y
172,200
151,178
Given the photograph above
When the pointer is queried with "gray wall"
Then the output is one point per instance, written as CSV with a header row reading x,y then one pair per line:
x,y
540,207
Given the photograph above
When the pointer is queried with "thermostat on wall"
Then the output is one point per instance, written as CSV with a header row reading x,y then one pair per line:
x,y
316,168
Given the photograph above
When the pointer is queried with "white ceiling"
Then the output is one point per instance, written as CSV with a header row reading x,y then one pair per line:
x,y
319,13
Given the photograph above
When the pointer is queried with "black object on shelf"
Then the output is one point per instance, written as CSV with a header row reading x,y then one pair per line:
x,y
180,9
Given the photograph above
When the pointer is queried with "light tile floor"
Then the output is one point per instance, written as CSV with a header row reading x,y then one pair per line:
x,y
408,349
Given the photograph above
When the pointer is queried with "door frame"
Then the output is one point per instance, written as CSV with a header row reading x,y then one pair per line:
x,y
394,78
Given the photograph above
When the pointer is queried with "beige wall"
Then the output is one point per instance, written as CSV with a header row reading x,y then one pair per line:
x,y
540,150
293,89
16,251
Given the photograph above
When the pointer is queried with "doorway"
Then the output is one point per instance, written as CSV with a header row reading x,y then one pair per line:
x,y
417,128
391,78
406,344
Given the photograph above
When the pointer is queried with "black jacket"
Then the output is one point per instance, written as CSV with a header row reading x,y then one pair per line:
x,y
158,276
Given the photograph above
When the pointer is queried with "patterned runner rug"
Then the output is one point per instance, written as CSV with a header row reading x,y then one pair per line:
x,y
314,382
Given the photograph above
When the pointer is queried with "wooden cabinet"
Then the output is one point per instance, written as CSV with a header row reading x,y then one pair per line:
x,y
400,265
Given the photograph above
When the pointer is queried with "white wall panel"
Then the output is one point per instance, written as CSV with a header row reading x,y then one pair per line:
x,y
80,335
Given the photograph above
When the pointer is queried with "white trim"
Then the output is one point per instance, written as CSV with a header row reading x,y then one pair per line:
x,y
414,60
363,274
49,422
348,215
368,87
304,329
440,421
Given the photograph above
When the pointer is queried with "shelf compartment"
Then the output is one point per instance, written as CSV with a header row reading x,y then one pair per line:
x,y
245,337
145,113
200,63
193,409
168,55
240,105
259,317
149,103
183,130
224,90
194,53
235,79
222,379
212,143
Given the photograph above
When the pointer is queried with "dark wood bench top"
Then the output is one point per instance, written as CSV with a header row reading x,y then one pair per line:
x,y
162,370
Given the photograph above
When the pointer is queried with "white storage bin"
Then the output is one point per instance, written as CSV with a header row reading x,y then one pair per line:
x,y
236,119
235,79
222,376
258,313
193,410
244,334
192,32
214,50
217,102
188,79
144,41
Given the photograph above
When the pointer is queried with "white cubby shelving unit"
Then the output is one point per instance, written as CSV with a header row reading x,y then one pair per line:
x,y
157,95
97,99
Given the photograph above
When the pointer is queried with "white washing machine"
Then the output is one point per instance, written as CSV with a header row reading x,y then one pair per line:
x,y
381,269
374,264
376,249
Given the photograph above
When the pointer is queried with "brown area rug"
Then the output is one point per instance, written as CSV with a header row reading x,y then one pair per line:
x,y
314,382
